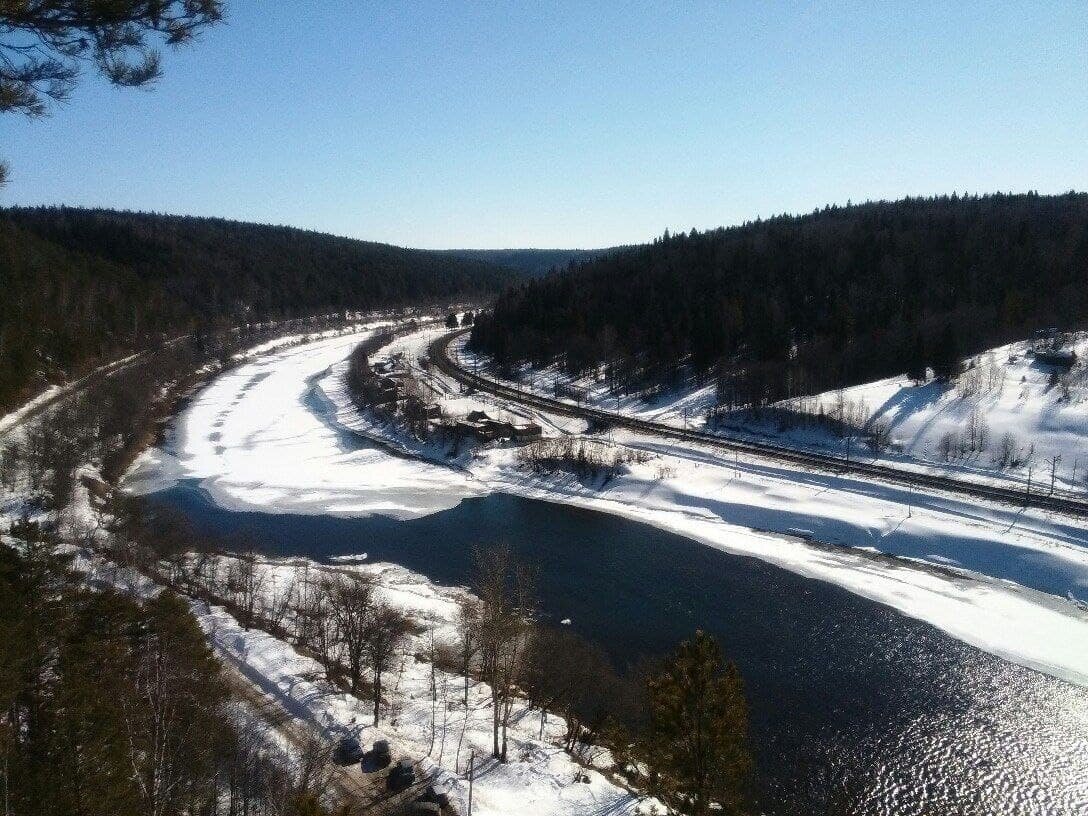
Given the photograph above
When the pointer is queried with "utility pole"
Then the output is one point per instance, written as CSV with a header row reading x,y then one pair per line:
x,y
1054,461
471,773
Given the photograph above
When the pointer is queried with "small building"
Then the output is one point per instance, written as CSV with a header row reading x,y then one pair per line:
x,y
486,433
477,416
502,430
463,428
526,432
477,430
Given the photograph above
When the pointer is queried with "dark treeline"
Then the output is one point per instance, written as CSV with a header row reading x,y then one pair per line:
x,y
802,304
86,285
114,704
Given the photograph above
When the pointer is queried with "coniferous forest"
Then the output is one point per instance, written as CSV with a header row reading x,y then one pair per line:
x,y
802,304
81,285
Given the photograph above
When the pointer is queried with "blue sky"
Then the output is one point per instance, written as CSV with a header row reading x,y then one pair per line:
x,y
581,124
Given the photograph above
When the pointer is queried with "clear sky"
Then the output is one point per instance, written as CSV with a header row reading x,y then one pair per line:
x,y
583,124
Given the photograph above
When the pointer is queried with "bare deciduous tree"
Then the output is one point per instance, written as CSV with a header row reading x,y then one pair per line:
x,y
503,629
351,600
387,631
246,581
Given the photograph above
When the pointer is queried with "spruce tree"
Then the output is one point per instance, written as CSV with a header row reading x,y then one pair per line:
x,y
696,746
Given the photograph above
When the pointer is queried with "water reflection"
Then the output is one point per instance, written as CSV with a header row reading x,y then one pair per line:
x,y
845,693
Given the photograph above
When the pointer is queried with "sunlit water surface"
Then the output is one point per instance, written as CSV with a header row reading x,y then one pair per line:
x,y
850,700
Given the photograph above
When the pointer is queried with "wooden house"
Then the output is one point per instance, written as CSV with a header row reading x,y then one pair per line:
x,y
526,432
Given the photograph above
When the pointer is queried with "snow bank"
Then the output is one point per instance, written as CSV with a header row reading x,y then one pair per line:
x,y
539,779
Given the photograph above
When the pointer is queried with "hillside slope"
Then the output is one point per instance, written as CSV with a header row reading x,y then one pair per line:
x,y
533,262
80,285
1010,416
1008,413
805,304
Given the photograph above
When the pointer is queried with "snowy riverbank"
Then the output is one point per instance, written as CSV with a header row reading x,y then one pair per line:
x,y
425,718
1007,419
257,439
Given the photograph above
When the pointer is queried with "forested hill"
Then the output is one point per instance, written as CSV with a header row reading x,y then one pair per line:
x,y
82,285
802,304
533,262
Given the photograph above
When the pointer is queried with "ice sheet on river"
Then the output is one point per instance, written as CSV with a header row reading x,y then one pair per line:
x,y
257,439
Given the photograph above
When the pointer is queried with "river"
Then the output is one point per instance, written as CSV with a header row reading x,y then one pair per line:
x,y
915,721
841,688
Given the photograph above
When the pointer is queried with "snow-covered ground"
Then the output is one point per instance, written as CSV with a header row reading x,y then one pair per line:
x,y
540,779
988,575
1005,402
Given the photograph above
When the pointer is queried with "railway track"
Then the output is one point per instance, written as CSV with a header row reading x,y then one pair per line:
x,y
439,354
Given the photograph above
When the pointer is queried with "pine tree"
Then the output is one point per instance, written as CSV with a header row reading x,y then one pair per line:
x,y
696,746
44,44
946,354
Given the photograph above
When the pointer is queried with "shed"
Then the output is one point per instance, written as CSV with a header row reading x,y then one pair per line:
x,y
526,432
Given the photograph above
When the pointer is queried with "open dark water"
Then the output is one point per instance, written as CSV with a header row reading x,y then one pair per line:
x,y
841,688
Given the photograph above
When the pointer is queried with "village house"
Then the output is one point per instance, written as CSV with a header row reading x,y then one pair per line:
x,y
478,425
526,432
